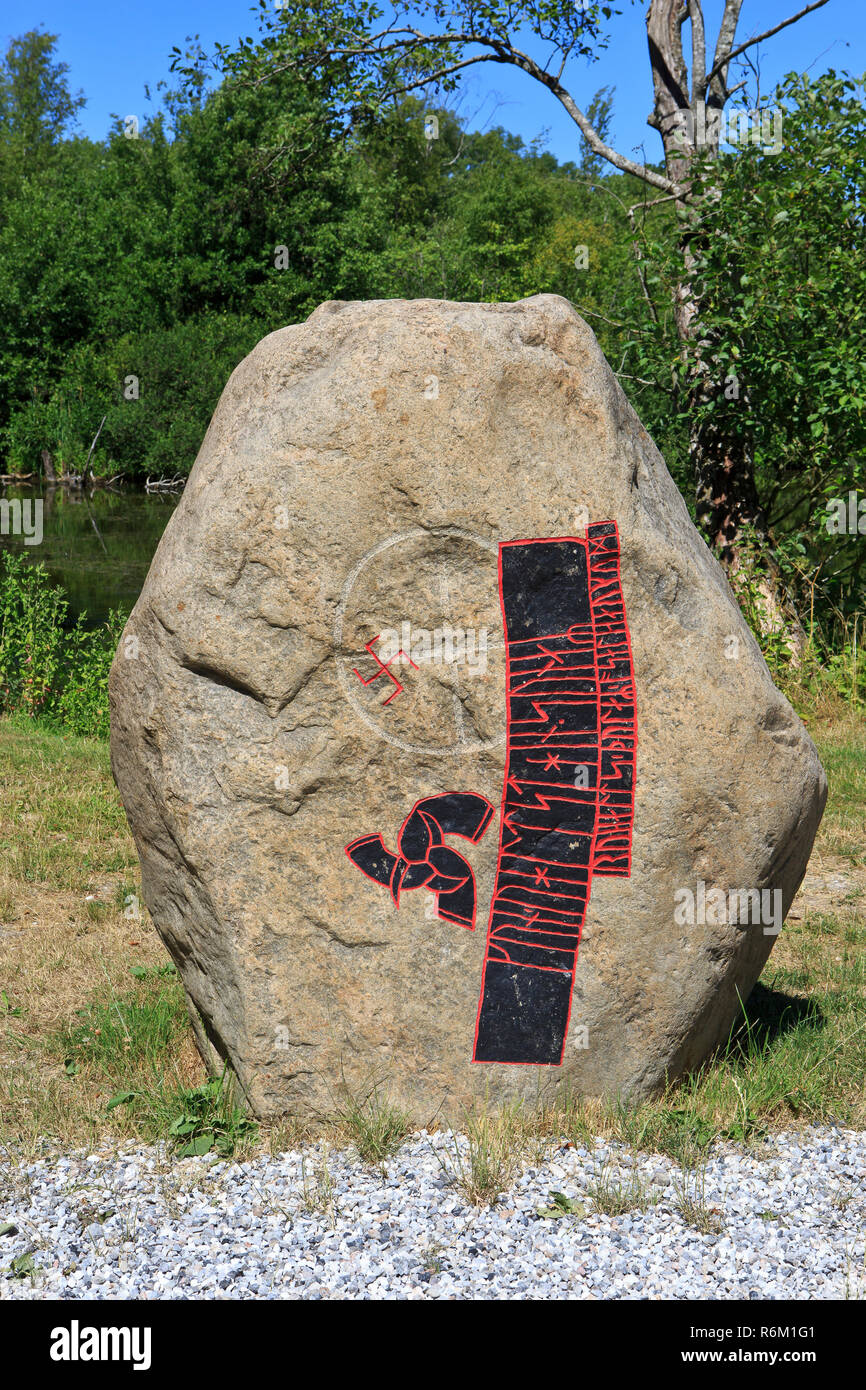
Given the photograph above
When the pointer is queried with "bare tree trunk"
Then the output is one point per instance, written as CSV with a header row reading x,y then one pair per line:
x,y
728,506
49,472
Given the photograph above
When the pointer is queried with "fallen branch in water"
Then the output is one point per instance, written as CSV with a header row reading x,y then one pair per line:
x,y
164,484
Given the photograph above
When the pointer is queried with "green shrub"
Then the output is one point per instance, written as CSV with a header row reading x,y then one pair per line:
x,y
81,705
32,614
180,372
48,668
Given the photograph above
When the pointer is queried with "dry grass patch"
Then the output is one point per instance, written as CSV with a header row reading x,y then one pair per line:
x,y
69,957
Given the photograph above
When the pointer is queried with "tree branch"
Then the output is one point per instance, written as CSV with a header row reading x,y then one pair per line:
x,y
699,48
719,64
631,328
499,50
619,161
442,72
510,54
715,85
727,30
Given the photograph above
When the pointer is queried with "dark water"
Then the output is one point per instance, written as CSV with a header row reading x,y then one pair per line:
x,y
97,545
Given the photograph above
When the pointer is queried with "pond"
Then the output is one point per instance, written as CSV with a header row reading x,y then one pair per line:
x,y
97,544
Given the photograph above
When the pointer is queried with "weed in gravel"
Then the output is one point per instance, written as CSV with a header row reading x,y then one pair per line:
x,y
211,1121
23,1267
431,1257
317,1189
374,1125
560,1205
692,1205
486,1162
613,1195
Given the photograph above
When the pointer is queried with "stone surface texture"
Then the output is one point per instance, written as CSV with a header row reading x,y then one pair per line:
x,y
358,474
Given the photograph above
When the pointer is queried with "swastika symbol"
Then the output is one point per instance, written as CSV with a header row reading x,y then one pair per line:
x,y
384,668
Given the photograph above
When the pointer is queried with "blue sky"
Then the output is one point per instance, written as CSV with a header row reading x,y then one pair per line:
x,y
113,49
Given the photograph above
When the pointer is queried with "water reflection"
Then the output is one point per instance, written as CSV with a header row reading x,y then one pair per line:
x,y
98,543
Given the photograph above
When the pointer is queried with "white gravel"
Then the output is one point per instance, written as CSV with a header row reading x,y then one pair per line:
x,y
137,1224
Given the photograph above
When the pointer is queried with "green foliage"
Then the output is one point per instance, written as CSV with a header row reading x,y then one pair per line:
x,y
209,1120
831,660
245,202
599,113
121,1031
780,260
32,613
178,374
36,105
331,44
82,700
22,1267
47,667
561,1206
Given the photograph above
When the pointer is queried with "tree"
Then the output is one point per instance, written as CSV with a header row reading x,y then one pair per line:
x,y
36,106
599,113
369,64
154,258
781,258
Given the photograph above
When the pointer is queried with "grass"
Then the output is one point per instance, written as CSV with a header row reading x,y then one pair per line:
x,y
374,1126
61,822
612,1195
692,1204
95,1044
144,1022
484,1159
842,745
90,1005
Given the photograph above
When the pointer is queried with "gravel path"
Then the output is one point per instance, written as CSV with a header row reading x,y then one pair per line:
x,y
791,1223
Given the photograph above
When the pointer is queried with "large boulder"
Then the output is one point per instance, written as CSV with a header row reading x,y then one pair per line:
x,y
421,537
